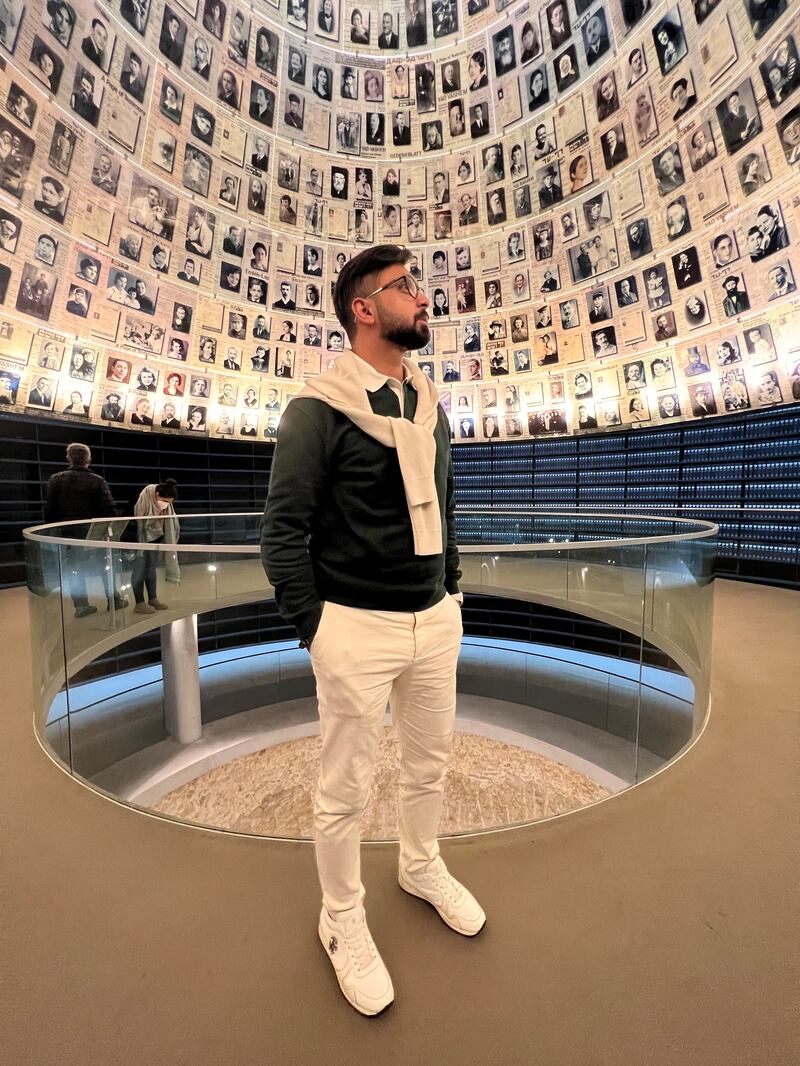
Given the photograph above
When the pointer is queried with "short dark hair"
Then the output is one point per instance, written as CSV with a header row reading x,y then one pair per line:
x,y
78,455
168,490
359,275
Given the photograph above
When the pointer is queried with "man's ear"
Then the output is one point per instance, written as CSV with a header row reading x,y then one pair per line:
x,y
363,312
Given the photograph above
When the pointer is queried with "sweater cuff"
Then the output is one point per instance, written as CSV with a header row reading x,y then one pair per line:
x,y
308,624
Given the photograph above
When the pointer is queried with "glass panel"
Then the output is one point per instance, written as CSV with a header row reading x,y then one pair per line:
x,y
98,674
51,703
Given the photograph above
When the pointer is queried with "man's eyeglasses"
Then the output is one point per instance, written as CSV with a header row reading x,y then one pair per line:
x,y
408,283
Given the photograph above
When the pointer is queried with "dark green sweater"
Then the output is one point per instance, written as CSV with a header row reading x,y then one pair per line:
x,y
336,525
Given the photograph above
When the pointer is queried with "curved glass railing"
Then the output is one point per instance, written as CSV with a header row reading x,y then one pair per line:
x,y
645,575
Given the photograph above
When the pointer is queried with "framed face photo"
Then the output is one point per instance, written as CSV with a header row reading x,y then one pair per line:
x,y
780,72
766,232
664,327
53,198
239,37
42,392
267,45
162,151
686,268
738,116
669,40
327,19
636,66
535,88
228,193
82,364
59,19
529,45
171,101
566,69
657,287
596,41
196,170
45,64
696,310
136,13
87,95
10,227
45,249
98,44
20,105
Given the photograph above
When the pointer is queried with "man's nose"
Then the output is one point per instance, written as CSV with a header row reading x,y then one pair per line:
x,y
423,299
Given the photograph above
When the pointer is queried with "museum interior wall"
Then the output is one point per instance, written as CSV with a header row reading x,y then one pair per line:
x,y
601,201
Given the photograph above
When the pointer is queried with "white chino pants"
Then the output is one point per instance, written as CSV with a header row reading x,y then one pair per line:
x,y
363,660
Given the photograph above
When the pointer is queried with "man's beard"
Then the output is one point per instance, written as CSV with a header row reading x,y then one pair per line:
x,y
410,337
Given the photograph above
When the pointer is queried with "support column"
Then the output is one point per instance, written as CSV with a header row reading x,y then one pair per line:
x,y
181,679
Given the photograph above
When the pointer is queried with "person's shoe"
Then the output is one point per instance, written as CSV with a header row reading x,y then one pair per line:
x,y
119,602
360,971
455,904
144,608
82,612
158,605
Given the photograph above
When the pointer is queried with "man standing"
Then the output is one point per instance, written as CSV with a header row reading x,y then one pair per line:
x,y
74,494
361,551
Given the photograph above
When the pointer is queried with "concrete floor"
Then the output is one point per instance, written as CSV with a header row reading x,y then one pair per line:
x,y
658,928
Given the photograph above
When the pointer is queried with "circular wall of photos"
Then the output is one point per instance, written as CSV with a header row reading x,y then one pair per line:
x,y
601,200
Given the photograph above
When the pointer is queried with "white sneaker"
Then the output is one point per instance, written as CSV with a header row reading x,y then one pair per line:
x,y
360,971
455,904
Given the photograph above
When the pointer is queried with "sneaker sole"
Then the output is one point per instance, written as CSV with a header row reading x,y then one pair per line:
x,y
355,1006
449,924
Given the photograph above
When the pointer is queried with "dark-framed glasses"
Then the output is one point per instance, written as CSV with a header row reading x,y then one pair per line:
x,y
408,283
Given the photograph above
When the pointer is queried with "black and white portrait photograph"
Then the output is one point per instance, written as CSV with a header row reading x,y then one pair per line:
x,y
152,208
669,405
98,44
643,113
262,106
536,88
695,310
267,48
656,286
753,171
686,268
763,14
359,26
45,64
9,388
87,95
558,23
171,101
37,288
735,300
766,232
677,218
52,199
724,249
789,133
444,17
614,145
760,344
136,13
780,280
416,23
606,97
701,398
596,41
78,301
636,64
10,227
664,326
566,68
626,291
172,38
738,116
373,87
668,170
239,37
20,105
669,40
780,72
42,392
57,16
505,58
229,88
62,148
45,249
326,22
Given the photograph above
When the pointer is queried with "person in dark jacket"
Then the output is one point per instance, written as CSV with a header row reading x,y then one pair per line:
x,y
362,554
73,494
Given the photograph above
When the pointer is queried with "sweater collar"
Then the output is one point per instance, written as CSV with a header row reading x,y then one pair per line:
x,y
372,379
